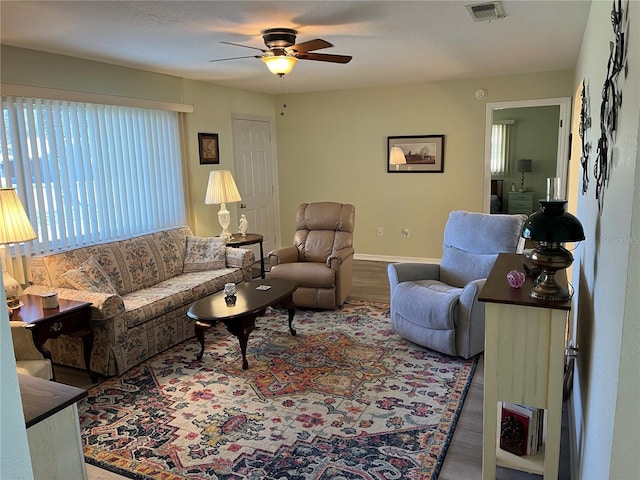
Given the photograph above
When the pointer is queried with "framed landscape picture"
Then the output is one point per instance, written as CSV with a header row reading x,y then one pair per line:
x,y
208,147
415,154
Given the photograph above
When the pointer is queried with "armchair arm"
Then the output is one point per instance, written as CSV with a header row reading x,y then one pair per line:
x,y
405,272
23,346
104,305
243,259
470,326
283,255
239,257
334,261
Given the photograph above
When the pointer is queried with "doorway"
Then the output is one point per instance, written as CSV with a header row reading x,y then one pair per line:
x,y
563,140
254,171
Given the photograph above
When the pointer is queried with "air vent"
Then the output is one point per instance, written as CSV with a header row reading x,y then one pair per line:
x,y
486,11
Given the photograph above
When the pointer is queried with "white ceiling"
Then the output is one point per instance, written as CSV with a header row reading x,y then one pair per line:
x,y
392,42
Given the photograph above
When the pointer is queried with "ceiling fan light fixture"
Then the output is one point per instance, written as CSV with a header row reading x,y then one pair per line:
x,y
279,64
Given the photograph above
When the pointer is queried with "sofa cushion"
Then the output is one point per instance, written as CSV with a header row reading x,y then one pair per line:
x,y
149,303
205,254
428,302
89,277
306,274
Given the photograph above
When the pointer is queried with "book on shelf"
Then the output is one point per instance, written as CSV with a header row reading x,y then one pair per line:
x,y
521,429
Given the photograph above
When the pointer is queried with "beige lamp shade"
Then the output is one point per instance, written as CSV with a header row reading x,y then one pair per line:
x,y
396,156
221,188
279,64
14,223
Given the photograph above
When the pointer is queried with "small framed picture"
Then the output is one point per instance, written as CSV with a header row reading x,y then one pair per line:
x,y
208,147
418,153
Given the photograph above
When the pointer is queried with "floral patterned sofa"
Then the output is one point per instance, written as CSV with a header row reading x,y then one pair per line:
x,y
140,288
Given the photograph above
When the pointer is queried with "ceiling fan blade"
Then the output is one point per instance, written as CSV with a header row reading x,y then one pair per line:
x,y
316,44
325,57
245,46
235,58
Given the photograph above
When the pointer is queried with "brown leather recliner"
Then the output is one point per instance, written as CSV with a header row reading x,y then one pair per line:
x,y
320,260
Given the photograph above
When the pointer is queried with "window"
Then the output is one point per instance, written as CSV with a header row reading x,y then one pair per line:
x,y
89,173
499,148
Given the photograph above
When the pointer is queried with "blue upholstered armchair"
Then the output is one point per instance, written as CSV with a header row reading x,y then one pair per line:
x,y
436,305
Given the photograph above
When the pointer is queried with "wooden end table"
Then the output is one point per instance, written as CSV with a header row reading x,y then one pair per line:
x,y
70,318
240,319
238,240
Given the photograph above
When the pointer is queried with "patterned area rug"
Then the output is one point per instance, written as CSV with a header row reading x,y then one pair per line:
x,y
344,399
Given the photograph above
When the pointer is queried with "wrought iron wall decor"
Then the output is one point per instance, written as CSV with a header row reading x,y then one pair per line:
x,y
585,124
611,101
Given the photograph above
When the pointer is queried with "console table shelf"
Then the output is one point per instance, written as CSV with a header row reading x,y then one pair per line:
x,y
53,428
524,364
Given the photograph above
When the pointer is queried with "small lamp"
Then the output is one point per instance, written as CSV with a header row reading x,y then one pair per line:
x,y
222,189
523,165
14,228
279,64
396,157
551,226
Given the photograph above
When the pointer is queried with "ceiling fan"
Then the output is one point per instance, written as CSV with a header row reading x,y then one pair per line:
x,y
283,52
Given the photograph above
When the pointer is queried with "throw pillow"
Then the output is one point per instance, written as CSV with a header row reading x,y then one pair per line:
x,y
205,254
90,277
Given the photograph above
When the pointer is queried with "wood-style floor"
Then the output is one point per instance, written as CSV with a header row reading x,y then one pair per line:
x,y
464,457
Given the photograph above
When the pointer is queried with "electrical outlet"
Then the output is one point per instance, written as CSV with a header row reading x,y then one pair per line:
x,y
405,232
380,232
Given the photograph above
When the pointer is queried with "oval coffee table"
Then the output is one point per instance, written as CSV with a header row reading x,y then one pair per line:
x,y
240,319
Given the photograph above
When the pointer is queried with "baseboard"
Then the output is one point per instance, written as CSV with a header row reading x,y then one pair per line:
x,y
574,411
393,259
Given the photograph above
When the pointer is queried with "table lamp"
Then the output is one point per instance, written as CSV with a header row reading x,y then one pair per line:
x,y
14,228
523,165
222,189
550,227
396,157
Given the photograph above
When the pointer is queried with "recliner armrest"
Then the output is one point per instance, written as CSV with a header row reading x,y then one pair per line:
x,y
283,255
334,261
407,272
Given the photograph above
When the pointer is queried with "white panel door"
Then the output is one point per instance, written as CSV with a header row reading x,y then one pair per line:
x,y
254,176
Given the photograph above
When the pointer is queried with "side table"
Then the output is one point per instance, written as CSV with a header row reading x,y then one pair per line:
x,y
239,240
70,318
53,429
523,364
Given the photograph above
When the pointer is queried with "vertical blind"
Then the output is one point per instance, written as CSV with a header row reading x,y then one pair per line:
x,y
499,148
89,173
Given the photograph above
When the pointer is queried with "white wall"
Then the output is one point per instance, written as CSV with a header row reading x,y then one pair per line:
x,y
607,388
15,461
333,146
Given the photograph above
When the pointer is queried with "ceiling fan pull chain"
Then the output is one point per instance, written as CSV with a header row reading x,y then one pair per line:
x,y
284,104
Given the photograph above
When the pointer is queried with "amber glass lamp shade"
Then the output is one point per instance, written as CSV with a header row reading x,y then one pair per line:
x,y
279,64
550,227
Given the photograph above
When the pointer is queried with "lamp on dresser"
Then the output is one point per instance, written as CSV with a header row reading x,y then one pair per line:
x,y
222,189
14,228
523,166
